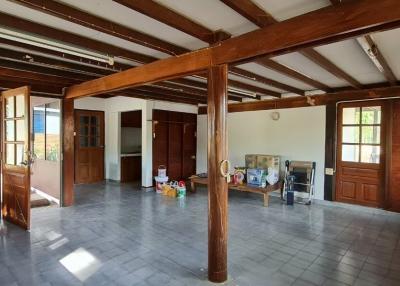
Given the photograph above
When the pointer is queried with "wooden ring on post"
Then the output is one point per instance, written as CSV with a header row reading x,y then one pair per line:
x,y
224,171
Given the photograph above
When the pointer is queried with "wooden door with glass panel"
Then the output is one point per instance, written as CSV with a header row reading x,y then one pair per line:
x,y
16,157
360,160
89,146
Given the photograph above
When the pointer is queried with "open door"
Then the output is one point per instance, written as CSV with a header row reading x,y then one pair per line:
x,y
16,157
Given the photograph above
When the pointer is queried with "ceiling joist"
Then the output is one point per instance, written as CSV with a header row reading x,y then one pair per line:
x,y
357,18
261,18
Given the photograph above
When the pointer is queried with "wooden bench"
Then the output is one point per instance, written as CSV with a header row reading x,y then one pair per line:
x,y
242,188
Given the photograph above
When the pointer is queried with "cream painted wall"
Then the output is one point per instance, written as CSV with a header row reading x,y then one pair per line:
x,y
299,134
113,108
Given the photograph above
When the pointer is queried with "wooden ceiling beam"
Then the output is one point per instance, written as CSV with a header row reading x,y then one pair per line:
x,y
254,89
153,96
326,64
171,18
82,18
273,65
357,18
251,12
59,56
369,46
93,22
258,78
49,89
261,18
371,49
302,101
37,77
70,38
165,92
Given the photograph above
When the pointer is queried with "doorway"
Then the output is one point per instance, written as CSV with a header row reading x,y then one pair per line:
x,y
89,146
361,149
46,151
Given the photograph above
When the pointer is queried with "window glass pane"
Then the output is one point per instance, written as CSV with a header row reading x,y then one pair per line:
x,y
370,154
351,134
84,120
53,131
350,153
10,154
10,130
371,115
84,130
94,120
20,130
20,154
10,107
20,105
351,115
371,134
84,141
39,132
94,141
94,131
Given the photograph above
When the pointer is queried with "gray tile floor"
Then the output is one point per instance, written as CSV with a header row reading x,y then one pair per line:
x,y
119,235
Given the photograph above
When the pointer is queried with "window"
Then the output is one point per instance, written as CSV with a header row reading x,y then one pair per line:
x,y
89,133
361,134
46,131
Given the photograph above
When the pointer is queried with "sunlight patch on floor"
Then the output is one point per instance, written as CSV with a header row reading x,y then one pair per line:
x,y
81,263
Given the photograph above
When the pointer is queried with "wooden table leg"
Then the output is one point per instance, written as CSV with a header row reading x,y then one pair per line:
x,y
193,186
266,200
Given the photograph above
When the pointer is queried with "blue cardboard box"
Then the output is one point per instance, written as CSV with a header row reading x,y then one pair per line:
x,y
256,177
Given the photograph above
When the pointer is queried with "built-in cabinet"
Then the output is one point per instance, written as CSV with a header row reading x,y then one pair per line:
x,y
131,146
174,143
131,168
131,119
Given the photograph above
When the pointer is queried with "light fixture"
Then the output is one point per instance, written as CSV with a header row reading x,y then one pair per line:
x,y
54,46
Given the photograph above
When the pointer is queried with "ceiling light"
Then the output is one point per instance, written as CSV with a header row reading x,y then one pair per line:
x,y
54,46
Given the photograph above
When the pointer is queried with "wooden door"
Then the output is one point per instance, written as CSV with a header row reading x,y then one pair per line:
x,y
360,169
175,133
393,160
16,156
160,140
89,146
189,145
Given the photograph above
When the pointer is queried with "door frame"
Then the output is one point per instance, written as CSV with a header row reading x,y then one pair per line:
x,y
384,145
76,134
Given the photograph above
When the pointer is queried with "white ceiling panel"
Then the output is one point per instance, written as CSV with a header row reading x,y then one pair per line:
x,y
303,65
282,10
349,56
212,14
113,11
389,44
258,69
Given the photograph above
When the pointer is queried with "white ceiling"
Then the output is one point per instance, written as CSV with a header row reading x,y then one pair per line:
x,y
215,15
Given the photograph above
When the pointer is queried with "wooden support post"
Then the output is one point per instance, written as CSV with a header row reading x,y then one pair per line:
x,y
68,152
217,184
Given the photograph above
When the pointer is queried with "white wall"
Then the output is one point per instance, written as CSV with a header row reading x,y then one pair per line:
x,y
299,134
113,108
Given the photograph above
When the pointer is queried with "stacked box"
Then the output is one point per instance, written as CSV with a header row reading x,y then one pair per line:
x,y
258,161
